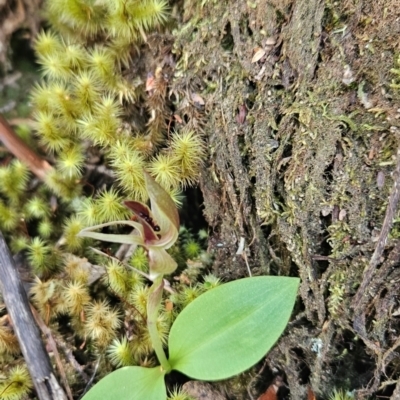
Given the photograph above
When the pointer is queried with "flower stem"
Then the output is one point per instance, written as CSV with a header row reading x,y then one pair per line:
x,y
153,304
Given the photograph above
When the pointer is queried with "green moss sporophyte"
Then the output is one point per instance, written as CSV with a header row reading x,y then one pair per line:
x,y
156,229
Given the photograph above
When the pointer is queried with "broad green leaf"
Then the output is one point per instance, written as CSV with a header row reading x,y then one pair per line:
x,y
130,383
230,328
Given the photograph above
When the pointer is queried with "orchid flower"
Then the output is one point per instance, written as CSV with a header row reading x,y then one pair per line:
x,y
156,229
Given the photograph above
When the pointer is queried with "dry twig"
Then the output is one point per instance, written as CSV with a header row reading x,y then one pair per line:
x,y
16,301
50,340
20,150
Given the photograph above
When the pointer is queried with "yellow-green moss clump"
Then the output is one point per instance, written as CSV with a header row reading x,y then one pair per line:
x,y
98,95
99,98
88,90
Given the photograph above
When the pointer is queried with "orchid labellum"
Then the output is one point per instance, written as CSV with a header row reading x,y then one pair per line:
x,y
156,229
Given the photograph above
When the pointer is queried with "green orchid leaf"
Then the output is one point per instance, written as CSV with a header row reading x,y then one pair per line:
x,y
230,328
130,383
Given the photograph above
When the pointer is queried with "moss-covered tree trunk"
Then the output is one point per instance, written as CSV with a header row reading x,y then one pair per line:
x,y
302,125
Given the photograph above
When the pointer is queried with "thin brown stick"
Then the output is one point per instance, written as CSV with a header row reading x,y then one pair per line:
x,y
28,335
380,246
20,150
50,340
70,357
396,392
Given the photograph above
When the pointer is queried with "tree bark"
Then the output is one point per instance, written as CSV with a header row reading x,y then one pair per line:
x,y
302,100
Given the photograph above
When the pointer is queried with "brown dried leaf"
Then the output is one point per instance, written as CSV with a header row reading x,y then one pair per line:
x,y
270,394
169,305
178,119
258,55
197,99
380,179
310,394
241,115
150,82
